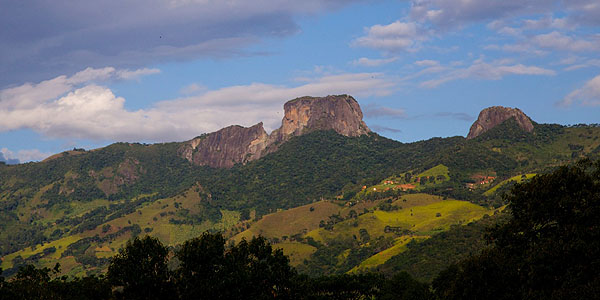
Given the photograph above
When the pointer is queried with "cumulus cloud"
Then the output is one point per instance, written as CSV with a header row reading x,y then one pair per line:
x,y
397,36
59,108
558,41
588,95
373,62
42,40
27,155
6,158
30,95
488,71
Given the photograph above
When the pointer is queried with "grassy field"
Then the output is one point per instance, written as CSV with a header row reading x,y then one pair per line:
x,y
421,214
289,222
383,256
436,171
153,219
60,245
300,220
297,252
518,179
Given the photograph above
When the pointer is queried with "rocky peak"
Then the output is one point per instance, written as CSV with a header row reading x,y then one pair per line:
x,y
494,116
306,114
237,144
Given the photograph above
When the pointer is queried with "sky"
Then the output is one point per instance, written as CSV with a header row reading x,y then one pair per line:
x,y
85,74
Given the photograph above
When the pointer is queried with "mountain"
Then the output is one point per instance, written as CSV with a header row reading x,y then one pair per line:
x,y
496,115
237,144
323,187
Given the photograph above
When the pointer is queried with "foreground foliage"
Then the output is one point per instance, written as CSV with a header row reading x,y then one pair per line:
x,y
205,268
550,249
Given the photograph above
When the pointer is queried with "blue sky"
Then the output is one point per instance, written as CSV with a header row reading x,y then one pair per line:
x,y
96,72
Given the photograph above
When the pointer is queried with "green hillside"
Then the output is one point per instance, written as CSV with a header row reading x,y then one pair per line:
x,y
517,179
313,196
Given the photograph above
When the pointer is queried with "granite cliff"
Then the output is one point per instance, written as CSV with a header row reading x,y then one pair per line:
x,y
226,147
494,116
237,144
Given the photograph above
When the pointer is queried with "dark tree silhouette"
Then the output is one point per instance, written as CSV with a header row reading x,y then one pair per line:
x,y
550,249
140,270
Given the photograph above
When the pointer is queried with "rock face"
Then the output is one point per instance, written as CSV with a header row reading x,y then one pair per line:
x,y
237,144
306,114
226,147
495,115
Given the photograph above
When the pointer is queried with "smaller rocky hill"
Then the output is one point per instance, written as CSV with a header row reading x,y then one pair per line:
x,y
237,144
496,115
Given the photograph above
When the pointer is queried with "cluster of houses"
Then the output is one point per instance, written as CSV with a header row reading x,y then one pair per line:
x,y
480,180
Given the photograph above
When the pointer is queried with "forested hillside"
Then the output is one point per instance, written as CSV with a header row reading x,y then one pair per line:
x,y
80,207
546,246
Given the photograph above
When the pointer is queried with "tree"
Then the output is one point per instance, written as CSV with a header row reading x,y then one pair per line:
x,y
256,271
43,283
248,270
201,271
140,270
403,287
550,249
342,287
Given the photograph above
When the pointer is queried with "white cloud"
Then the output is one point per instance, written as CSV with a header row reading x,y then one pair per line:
x,y
453,13
427,63
558,41
372,62
91,111
588,95
510,31
547,23
397,36
136,74
487,71
191,89
22,155
583,64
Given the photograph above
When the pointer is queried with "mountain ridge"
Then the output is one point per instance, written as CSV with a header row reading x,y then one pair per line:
x,y
237,144
495,115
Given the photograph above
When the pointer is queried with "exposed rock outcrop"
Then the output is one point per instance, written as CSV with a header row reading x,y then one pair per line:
x,y
226,147
494,116
303,115
237,144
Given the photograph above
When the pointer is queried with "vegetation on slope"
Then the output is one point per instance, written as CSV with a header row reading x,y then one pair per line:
x,y
549,248
81,194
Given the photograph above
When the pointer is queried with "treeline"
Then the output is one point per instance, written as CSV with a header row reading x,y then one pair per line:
x,y
550,249
205,268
